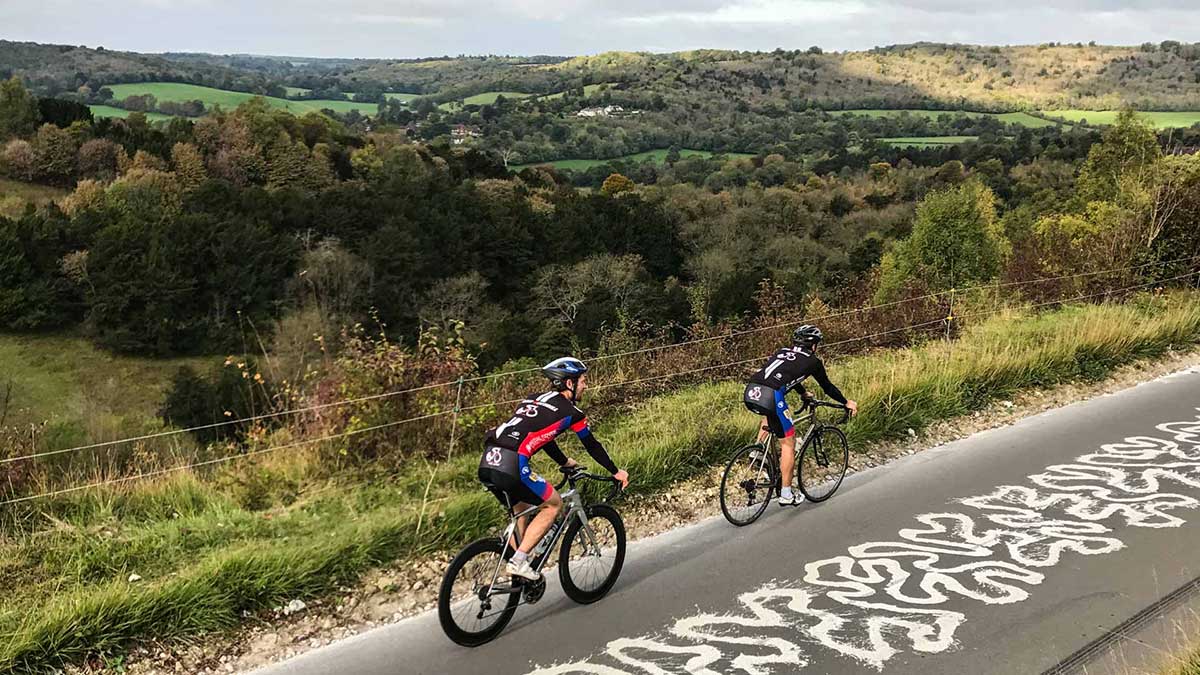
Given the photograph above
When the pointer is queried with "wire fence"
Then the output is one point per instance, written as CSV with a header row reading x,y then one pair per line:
x,y
458,409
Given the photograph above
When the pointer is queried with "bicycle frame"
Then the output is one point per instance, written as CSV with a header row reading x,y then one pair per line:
x,y
809,409
573,507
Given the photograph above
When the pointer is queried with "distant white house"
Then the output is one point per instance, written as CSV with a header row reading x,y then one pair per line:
x,y
606,111
462,133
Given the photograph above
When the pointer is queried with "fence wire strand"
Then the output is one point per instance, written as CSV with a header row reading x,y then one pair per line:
x,y
645,350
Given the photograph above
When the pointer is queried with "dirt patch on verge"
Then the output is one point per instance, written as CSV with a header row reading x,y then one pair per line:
x,y
395,592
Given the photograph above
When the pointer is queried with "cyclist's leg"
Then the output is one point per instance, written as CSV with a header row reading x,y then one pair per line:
x,y
787,440
539,492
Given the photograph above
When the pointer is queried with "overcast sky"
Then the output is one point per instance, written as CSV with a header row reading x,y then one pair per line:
x,y
414,28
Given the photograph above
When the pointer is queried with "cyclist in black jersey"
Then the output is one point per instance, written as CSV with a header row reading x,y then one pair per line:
x,y
504,468
765,394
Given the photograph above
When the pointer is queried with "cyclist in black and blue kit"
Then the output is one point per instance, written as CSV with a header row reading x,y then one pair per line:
x,y
766,392
504,468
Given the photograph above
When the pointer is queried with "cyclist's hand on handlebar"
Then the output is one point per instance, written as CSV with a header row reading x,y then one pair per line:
x,y
623,478
571,465
852,406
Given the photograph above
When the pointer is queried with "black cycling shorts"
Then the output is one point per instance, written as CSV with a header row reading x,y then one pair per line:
x,y
505,472
763,400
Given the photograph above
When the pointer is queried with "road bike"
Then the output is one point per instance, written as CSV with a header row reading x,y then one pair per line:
x,y
477,598
752,477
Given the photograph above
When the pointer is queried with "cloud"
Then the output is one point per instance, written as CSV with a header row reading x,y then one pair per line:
x,y
396,19
757,12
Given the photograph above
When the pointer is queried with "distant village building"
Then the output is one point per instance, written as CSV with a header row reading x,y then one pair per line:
x,y
462,133
606,111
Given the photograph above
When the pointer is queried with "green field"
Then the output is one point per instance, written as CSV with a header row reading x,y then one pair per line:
x,y
14,195
1160,120
174,91
84,393
402,96
111,111
588,90
1021,118
486,98
927,141
657,156
296,91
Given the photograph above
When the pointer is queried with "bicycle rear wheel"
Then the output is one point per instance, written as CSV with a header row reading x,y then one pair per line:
x,y
749,480
475,602
823,462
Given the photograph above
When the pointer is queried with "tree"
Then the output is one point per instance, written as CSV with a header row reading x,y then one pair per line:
x,y
1127,151
616,184
956,240
54,150
97,159
18,109
18,160
189,166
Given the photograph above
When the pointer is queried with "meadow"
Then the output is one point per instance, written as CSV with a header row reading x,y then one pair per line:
x,y
927,141
178,92
485,98
1160,120
207,556
1020,118
657,156
113,111
82,393
588,90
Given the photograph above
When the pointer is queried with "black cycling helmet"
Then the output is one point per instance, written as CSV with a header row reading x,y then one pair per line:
x,y
562,372
807,335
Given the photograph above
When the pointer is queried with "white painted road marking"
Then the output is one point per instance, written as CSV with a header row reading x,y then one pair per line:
x,y
882,597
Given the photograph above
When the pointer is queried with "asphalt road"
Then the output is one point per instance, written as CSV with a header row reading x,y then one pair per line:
x,y
1005,552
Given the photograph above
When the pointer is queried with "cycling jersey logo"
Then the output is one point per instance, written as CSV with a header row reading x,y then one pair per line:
x,y
781,405
494,456
515,434
756,393
530,410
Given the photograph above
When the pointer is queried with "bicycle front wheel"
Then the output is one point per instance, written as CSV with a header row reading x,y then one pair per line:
x,y
823,462
747,485
591,557
477,598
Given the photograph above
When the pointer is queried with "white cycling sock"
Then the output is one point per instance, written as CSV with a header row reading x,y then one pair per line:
x,y
519,557
786,492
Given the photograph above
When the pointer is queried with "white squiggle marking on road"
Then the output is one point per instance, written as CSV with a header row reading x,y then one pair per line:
x,y
882,597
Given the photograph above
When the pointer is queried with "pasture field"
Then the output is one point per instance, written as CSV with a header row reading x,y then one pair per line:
x,y
486,98
657,156
178,92
113,111
927,141
402,96
1159,119
83,393
296,91
588,90
1021,118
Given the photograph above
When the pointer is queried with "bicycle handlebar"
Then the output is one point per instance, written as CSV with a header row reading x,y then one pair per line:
x,y
825,404
579,472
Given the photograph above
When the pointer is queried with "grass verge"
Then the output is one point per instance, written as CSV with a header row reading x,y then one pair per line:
x,y
205,560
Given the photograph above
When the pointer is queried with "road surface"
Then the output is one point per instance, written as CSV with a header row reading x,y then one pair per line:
x,y
1006,552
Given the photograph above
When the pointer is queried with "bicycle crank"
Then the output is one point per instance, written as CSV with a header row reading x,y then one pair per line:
x,y
534,590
